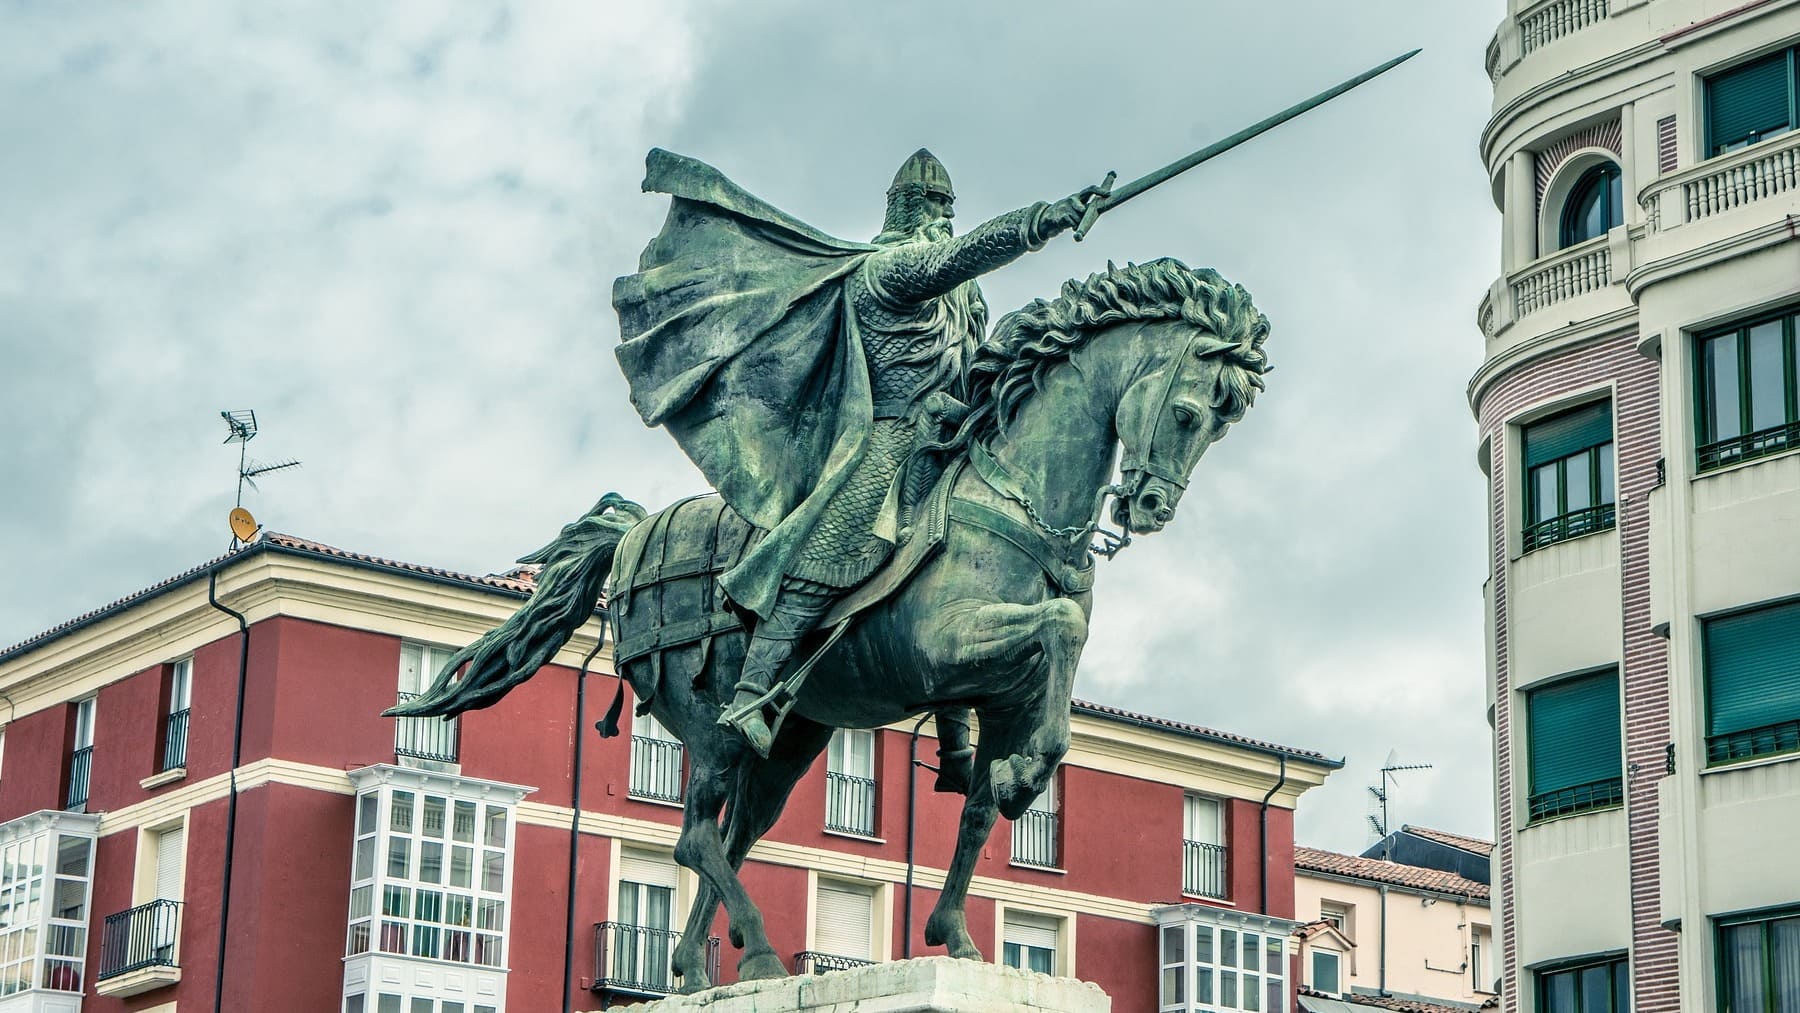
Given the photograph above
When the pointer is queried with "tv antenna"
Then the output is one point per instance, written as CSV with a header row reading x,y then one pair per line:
x,y
1378,802
241,427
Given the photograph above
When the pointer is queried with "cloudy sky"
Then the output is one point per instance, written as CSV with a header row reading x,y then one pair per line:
x,y
392,231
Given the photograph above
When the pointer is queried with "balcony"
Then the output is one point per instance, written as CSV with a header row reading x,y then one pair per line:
x,y
814,962
1544,23
175,736
849,804
1749,447
656,769
1570,525
1768,740
137,949
635,960
1034,839
81,765
1203,869
1601,794
1578,270
430,739
1725,183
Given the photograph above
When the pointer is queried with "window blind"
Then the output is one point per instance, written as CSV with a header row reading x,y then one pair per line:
x,y
649,870
1747,102
171,847
844,917
1753,669
1572,431
1030,930
1574,729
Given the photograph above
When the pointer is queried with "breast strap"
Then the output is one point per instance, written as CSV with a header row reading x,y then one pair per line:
x,y
1068,577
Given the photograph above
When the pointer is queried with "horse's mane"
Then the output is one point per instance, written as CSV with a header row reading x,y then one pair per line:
x,y
1029,341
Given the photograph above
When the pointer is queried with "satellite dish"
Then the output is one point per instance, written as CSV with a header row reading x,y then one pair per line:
x,y
243,525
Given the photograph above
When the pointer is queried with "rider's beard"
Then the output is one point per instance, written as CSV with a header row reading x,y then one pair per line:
x,y
938,231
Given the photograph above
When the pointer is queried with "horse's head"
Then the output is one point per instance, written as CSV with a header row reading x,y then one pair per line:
x,y
1201,372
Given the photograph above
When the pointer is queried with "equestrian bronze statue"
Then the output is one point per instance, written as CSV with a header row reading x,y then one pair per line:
x,y
907,503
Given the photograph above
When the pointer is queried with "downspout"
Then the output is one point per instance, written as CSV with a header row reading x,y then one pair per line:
x,y
1381,984
237,748
912,817
575,823
1263,844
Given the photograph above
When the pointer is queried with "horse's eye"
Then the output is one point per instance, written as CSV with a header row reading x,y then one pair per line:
x,y
1184,415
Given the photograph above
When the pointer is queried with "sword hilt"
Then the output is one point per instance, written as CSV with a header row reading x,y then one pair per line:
x,y
1095,204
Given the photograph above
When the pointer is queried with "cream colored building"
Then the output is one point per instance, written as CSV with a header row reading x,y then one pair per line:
x,y
1639,407
1373,927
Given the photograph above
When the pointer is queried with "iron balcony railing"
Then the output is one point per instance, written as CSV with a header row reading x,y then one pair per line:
x,y
656,768
81,763
637,959
1203,869
1781,737
1570,525
425,738
1601,794
141,937
1748,447
175,740
849,804
1034,838
814,962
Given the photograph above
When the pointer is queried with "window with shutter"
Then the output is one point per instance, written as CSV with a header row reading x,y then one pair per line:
x,y
1753,683
1030,941
1750,102
1574,746
844,918
1568,480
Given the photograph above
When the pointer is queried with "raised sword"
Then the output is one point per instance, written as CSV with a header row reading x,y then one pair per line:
x,y
1107,198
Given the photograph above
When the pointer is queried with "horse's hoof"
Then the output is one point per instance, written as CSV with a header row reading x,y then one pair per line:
x,y
1011,786
758,966
696,982
737,938
953,935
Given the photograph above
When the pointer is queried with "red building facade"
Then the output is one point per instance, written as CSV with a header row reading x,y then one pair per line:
x,y
346,861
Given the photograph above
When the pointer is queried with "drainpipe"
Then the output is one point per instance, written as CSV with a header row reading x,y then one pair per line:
x,y
1263,844
575,822
1381,985
237,748
912,819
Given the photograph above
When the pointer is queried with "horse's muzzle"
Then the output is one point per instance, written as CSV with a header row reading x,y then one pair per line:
x,y
1149,504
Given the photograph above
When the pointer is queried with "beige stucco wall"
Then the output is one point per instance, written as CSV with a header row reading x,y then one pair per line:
x,y
1428,937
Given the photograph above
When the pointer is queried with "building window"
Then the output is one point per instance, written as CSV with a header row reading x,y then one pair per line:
x,y
656,761
850,782
1600,987
1029,941
1326,968
1338,917
175,725
1568,475
387,1002
843,929
1034,832
1203,847
1573,748
636,948
81,757
1752,683
1238,964
145,936
1480,942
1759,963
1748,392
1595,205
432,740
430,875
1750,102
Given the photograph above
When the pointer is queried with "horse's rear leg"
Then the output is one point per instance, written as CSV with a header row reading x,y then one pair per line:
x,y
702,849
948,925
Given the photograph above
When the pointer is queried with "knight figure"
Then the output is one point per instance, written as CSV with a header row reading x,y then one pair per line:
x,y
799,371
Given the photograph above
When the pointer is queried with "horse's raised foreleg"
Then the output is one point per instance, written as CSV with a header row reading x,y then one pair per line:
x,y
702,849
1029,653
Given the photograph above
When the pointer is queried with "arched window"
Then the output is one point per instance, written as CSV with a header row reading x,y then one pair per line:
x,y
1596,203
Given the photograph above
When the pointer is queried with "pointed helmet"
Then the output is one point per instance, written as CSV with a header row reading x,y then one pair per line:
x,y
924,169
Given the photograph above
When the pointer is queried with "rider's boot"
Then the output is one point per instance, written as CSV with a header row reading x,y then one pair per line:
x,y
956,758
763,661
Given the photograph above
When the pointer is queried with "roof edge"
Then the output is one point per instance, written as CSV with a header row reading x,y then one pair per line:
x,y
1119,714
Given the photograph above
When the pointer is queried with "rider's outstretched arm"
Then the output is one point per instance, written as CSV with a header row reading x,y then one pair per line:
x,y
915,272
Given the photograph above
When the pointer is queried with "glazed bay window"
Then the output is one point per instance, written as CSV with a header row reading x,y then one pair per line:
x,y
1747,396
1574,747
431,740
1752,661
1215,959
1598,987
46,872
850,782
1750,102
1759,963
656,761
1569,484
430,884
1203,847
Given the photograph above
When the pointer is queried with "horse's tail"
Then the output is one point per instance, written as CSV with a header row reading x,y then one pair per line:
x,y
576,566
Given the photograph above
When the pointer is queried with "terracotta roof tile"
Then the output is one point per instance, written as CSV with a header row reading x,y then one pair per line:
x,y
1473,845
1205,733
1397,1004
512,580
1393,873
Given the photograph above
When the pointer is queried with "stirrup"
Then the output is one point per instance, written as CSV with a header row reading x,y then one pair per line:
x,y
736,713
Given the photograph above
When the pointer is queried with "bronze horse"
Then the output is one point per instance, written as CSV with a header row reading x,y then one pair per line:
x,y
1156,360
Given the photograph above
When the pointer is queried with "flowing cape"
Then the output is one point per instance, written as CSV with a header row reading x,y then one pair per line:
x,y
737,337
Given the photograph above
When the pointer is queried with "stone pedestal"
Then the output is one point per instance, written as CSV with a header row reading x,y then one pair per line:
x,y
925,985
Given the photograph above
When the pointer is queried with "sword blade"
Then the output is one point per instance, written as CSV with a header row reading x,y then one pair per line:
x,y
1181,165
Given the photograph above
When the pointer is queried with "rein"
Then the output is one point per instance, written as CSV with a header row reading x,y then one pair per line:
x,y
1002,481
